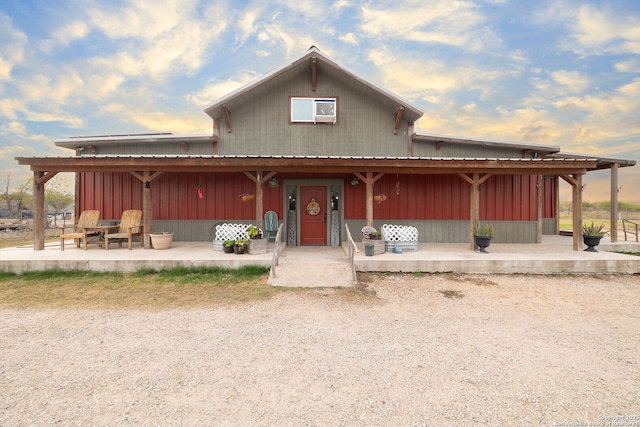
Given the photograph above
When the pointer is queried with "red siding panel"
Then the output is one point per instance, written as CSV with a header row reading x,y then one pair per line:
x,y
420,197
549,204
412,197
175,195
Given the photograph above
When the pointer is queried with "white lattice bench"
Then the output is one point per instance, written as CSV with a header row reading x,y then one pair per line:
x,y
229,232
404,236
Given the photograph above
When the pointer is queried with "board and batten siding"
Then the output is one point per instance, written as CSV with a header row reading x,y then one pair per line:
x,y
263,127
461,150
175,196
446,197
194,149
444,231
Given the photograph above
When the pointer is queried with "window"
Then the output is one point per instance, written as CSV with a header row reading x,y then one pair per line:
x,y
313,110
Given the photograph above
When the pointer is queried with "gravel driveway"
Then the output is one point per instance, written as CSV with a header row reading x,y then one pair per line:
x,y
432,350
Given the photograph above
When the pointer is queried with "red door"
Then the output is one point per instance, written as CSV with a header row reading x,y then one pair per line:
x,y
313,215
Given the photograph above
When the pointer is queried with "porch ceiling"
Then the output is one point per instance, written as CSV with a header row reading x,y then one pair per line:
x,y
331,165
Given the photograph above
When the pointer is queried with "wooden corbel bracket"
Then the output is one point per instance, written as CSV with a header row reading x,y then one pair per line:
x,y
397,118
314,73
227,117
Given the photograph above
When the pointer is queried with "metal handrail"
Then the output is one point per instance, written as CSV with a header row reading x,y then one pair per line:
x,y
352,252
624,229
276,252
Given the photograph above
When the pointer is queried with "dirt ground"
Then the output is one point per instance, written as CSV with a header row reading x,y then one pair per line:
x,y
425,350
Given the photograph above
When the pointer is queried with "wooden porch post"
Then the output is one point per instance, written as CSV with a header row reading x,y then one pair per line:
x,y
38,212
39,180
147,177
474,215
540,187
576,183
147,210
259,180
614,203
557,213
369,180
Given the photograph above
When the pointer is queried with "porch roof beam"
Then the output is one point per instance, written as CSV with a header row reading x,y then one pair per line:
x,y
417,166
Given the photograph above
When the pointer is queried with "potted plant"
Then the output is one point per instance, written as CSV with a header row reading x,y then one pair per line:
x,y
372,237
239,245
257,245
254,232
591,235
368,248
227,246
161,239
482,235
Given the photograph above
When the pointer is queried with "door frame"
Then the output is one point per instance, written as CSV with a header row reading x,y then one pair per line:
x,y
327,183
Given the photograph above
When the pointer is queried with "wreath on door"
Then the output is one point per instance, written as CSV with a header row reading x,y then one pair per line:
x,y
313,207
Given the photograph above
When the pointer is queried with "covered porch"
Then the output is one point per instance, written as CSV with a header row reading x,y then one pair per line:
x,y
474,172
555,255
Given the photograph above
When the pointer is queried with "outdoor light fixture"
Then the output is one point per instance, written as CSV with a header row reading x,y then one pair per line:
x,y
273,182
355,181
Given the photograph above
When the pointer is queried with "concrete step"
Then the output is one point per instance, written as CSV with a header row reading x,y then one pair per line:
x,y
312,267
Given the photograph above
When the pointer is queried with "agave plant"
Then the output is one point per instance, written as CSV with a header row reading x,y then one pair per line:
x,y
593,230
484,230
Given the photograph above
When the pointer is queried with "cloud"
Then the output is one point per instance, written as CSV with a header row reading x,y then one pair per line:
x,y
349,38
416,77
183,122
458,24
595,29
559,83
12,45
628,66
157,39
65,35
216,89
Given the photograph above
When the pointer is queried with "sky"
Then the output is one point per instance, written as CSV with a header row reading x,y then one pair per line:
x,y
564,73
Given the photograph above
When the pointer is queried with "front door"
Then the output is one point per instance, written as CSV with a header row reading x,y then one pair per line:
x,y
313,215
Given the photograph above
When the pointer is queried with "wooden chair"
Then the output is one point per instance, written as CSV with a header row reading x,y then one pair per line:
x,y
270,225
83,230
130,227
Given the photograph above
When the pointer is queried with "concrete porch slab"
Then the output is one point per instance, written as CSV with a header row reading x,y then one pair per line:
x,y
553,256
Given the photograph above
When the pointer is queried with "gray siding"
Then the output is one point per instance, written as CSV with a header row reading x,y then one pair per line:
x,y
429,231
549,226
263,127
448,149
457,231
194,149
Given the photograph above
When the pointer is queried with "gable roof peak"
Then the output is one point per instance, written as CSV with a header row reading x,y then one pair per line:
x,y
301,64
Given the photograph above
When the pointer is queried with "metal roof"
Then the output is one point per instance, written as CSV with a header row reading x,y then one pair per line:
x,y
145,138
314,164
486,142
603,162
264,84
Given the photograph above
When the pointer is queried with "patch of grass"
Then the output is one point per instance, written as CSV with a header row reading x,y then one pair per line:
x,y
7,275
149,289
451,294
418,274
630,253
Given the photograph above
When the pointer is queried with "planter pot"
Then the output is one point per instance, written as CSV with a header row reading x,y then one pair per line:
x,y
591,242
369,250
161,241
227,249
257,246
239,250
482,242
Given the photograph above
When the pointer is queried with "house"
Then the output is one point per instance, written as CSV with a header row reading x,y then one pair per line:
x,y
321,147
